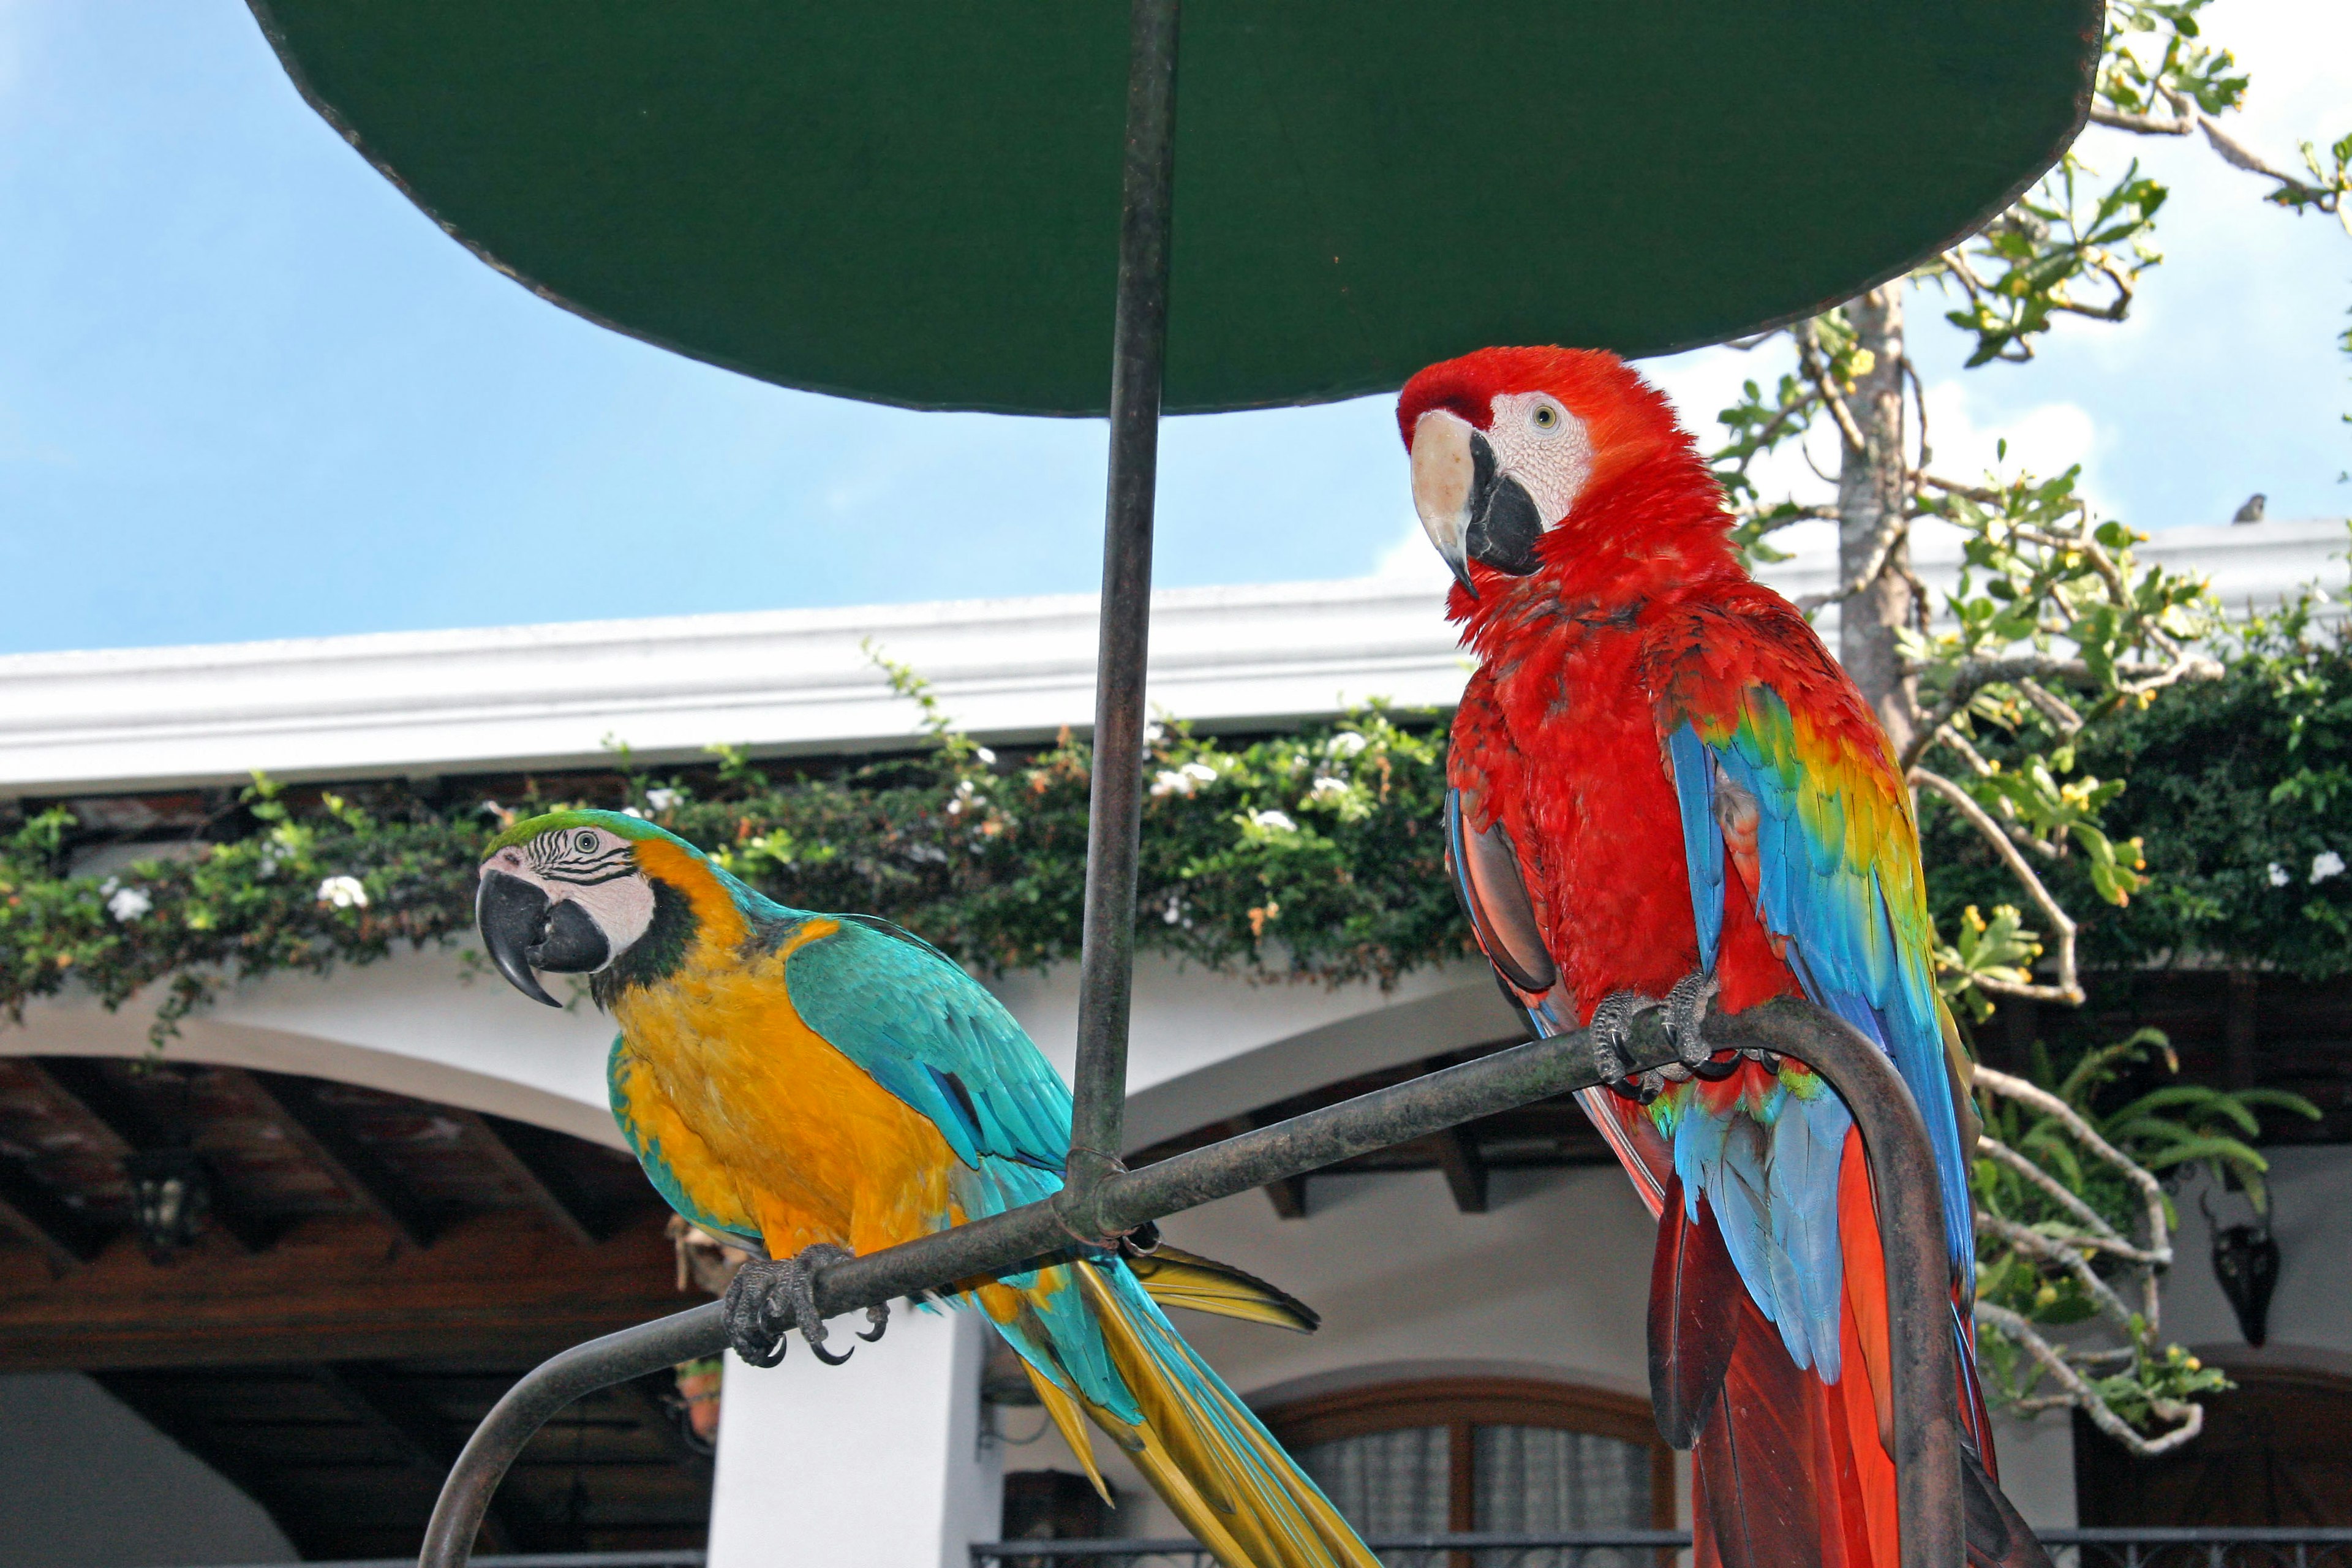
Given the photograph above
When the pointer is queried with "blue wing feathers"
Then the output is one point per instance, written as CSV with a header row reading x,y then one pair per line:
x,y
1774,1192
1702,840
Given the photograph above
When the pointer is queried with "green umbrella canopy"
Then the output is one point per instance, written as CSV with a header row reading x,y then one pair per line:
x,y
918,203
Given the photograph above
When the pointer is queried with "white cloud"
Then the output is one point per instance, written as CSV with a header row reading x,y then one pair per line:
x,y
2043,440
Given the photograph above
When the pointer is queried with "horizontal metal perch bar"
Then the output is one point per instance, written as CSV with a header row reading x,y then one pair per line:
x,y
1911,1230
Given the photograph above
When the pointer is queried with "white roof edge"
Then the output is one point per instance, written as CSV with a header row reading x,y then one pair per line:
x,y
787,681
777,681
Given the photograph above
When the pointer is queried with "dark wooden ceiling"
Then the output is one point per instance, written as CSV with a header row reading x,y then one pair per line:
x,y
377,1271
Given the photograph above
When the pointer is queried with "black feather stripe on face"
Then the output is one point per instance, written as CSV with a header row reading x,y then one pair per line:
x,y
583,857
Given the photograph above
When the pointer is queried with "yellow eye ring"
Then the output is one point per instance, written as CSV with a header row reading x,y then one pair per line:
x,y
1544,416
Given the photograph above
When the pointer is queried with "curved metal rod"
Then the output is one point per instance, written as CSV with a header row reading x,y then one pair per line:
x,y
1922,1351
1910,1225
516,1418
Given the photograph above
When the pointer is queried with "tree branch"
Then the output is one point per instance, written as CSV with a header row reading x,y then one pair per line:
x,y
1809,358
1892,528
2084,1397
2001,1153
2142,124
2033,1244
2069,988
2159,1237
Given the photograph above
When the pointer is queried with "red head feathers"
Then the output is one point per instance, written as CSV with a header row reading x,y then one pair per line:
x,y
1559,466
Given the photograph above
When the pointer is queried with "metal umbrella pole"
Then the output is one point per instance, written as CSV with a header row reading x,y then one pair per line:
x,y
1100,1199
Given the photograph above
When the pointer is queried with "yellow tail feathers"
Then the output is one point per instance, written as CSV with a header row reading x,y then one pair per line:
x,y
1203,1450
1174,1277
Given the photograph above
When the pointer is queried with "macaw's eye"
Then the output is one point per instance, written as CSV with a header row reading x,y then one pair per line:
x,y
587,843
1545,416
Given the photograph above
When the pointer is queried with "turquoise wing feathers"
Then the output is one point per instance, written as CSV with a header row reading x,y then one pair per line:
x,y
932,1035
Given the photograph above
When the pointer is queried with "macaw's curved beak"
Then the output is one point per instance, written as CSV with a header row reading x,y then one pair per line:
x,y
1470,509
525,933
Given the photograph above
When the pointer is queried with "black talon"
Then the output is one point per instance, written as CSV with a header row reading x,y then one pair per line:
x,y
1612,1021
800,1282
879,1316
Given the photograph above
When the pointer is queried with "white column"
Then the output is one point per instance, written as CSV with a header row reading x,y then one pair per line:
x,y
876,1464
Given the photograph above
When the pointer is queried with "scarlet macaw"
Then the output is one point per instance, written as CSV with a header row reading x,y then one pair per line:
x,y
1662,785
803,1083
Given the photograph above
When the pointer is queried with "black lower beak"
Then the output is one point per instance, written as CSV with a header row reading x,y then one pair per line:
x,y
1504,523
511,915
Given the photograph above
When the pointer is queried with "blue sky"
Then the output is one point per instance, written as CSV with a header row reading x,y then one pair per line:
x,y
247,391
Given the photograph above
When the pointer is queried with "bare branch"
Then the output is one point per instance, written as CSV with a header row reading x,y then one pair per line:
x,y
2159,1235
2142,124
1891,528
2192,1417
2001,1153
1809,359
2069,988
1947,736
2053,708
1920,400
2033,1244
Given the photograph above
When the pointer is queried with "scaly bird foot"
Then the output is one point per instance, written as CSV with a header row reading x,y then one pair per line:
x,y
1685,1007
754,1311
800,1286
766,1299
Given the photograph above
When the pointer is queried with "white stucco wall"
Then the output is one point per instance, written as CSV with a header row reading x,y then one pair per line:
x,y
2311,1217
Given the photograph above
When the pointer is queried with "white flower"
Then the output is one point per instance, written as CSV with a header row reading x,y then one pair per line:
x,y
1183,780
2279,878
1327,791
632,811
1174,913
1273,822
343,892
987,758
127,904
1346,744
2326,864
661,799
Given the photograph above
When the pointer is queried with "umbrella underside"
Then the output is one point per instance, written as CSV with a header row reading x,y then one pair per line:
x,y
918,203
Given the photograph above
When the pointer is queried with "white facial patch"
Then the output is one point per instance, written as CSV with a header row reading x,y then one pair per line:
x,y
1541,443
591,867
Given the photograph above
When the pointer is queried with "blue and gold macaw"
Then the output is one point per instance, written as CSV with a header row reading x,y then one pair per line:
x,y
805,1083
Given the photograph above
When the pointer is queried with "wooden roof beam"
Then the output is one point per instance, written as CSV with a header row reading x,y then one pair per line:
x,y
377,1397
1464,1168
66,1237
81,1083
313,1127
529,1158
